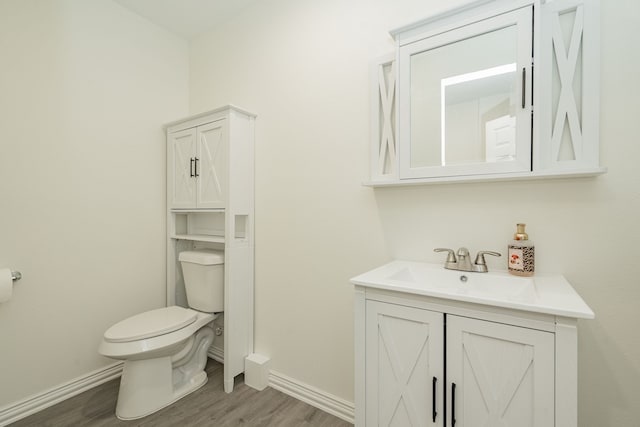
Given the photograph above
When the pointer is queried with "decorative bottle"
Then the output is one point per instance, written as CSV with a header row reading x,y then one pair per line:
x,y
521,253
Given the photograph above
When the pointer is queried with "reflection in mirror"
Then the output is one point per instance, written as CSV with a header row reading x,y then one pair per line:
x,y
484,93
464,100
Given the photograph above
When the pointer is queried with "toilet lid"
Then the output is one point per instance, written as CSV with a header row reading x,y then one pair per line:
x,y
150,324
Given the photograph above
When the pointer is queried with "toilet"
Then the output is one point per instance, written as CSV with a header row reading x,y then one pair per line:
x,y
165,350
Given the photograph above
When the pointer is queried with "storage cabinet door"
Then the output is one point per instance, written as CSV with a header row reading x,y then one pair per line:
x,y
498,375
212,165
404,366
181,179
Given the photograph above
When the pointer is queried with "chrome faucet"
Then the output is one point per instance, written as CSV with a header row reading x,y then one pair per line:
x,y
463,261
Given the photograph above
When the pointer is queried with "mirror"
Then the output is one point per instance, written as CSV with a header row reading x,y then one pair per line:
x,y
475,82
467,111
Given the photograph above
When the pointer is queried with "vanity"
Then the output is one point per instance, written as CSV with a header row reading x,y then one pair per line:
x,y
438,347
491,90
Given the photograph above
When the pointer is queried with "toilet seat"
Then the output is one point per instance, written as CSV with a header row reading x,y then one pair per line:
x,y
146,348
150,324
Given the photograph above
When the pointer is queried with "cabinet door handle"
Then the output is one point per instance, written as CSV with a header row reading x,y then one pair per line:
x,y
453,404
197,174
191,161
524,84
434,413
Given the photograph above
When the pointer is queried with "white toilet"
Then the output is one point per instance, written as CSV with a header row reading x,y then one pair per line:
x,y
165,350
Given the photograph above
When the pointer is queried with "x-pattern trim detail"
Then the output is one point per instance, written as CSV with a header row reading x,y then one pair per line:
x,y
211,174
566,66
497,401
183,149
399,391
387,141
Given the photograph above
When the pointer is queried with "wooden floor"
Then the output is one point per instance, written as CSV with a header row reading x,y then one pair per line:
x,y
208,406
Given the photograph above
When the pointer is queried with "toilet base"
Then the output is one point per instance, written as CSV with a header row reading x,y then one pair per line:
x,y
148,385
132,404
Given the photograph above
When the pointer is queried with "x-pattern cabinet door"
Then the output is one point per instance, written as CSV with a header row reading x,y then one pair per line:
x,y
182,185
212,164
498,375
404,366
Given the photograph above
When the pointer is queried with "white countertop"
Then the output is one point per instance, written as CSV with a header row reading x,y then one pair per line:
x,y
548,294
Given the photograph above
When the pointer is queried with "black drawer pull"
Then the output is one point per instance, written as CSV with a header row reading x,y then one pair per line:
x,y
453,404
434,413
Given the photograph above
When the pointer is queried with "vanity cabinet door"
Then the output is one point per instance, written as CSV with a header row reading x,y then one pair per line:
x,y
498,375
404,366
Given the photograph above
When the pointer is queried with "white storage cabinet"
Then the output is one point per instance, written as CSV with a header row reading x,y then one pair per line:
x,y
197,166
210,204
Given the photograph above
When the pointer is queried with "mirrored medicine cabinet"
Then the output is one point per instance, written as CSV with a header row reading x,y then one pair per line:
x,y
492,90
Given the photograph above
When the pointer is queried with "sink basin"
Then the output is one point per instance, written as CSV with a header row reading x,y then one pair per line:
x,y
488,285
550,294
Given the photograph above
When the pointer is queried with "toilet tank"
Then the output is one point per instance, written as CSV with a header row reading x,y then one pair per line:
x,y
203,272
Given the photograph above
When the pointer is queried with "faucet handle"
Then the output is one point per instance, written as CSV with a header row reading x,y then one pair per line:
x,y
451,257
480,257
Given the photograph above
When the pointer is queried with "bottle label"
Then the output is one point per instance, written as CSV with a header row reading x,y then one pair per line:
x,y
521,258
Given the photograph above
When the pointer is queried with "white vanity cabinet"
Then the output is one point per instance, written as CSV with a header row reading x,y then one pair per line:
x,y
436,347
496,374
210,205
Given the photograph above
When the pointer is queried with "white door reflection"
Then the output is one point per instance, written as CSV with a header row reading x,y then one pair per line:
x,y
481,101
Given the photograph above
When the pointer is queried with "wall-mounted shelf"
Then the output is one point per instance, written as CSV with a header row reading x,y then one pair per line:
x,y
580,173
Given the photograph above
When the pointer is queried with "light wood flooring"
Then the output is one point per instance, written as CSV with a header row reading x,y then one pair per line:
x,y
208,406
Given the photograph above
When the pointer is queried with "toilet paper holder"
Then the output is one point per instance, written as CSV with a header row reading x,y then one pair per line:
x,y
16,275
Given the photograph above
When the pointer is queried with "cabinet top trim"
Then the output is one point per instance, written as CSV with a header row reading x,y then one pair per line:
x,y
456,17
209,113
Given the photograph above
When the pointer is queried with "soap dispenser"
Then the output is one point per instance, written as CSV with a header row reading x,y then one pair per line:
x,y
521,253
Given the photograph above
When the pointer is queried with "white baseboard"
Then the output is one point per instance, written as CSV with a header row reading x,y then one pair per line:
x,y
320,399
216,354
29,406
315,397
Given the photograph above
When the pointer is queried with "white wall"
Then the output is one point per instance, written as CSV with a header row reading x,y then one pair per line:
x,y
84,89
85,86
302,66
